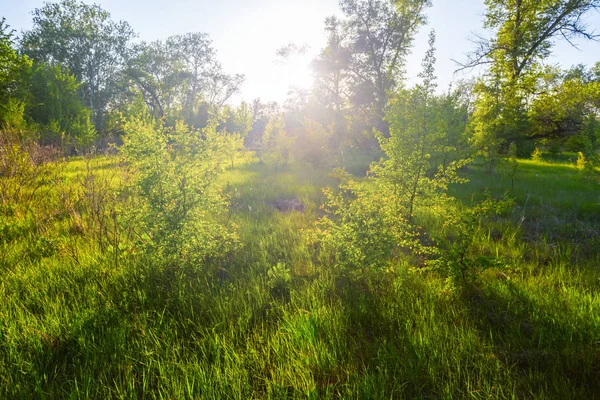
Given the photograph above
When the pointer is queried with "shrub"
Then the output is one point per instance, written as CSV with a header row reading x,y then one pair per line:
x,y
459,258
276,144
313,146
580,161
234,142
361,230
178,205
26,171
279,281
536,156
12,115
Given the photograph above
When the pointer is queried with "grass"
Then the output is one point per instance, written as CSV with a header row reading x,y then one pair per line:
x,y
75,324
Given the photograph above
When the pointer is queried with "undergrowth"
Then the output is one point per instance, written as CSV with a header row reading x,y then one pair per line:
x,y
87,312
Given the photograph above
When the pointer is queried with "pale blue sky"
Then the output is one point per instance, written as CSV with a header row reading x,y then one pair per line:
x,y
247,33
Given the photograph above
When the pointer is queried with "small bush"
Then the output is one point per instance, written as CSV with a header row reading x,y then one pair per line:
x,y
459,258
279,281
581,162
176,204
362,229
536,156
276,144
313,146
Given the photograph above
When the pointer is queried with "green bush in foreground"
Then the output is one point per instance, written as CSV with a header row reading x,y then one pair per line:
x,y
177,207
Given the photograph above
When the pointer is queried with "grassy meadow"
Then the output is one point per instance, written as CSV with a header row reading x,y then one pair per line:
x,y
85,314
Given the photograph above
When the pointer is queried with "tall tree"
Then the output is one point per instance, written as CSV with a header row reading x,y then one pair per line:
x,y
87,41
158,73
330,68
198,59
415,170
180,78
379,36
331,78
55,105
524,32
13,70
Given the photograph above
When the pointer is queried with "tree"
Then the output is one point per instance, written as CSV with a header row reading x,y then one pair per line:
x,y
261,115
487,119
312,146
410,172
84,39
377,38
220,87
180,78
330,67
235,125
452,112
276,144
198,60
238,119
510,165
56,105
14,69
524,33
567,106
158,74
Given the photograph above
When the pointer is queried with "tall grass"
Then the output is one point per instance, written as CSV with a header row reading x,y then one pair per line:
x,y
272,323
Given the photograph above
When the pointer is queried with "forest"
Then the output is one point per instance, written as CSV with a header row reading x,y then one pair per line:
x,y
367,238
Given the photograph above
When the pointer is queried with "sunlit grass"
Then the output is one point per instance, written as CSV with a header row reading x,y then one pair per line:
x,y
73,324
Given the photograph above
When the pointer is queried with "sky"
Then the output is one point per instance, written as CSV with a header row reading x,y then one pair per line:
x,y
247,33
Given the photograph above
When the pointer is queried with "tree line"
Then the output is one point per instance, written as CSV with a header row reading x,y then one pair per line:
x,y
77,74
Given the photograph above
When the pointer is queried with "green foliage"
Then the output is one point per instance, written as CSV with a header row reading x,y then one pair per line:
x,y
377,37
416,167
580,161
234,143
239,120
371,228
58,109
499,118
178,202
84,39
523,35
234,126
567,107
362,229
180,78
276,144
13,77
577,143
450,118
24,174
312,146
12,115
487,135
460,257
361,64
586,165
536,156
279,279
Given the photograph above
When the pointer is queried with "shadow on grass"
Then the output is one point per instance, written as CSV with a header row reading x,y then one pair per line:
x,y
553,354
